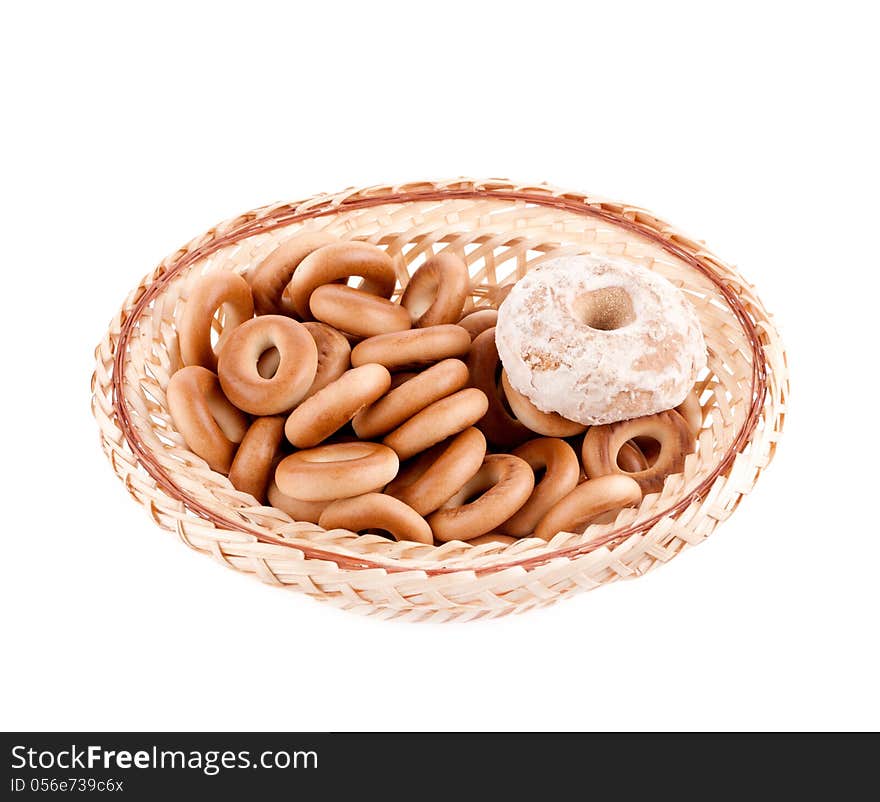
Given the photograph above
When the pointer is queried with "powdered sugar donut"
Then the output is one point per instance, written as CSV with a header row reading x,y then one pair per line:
x,y
599,340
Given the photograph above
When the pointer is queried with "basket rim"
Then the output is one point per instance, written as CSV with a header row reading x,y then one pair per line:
x,y
268,218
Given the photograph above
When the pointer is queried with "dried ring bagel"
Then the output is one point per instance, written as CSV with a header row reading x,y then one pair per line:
x,y
500,428
334,355
269,278
477,322
238,365
296,508
221,288
340,260
603,443
587,502
328,410
630,459
549,424
410,397
561,477
339,470
377,511
437,421
504,483
251,468
357,313
436,475
437,290
211,426
413,348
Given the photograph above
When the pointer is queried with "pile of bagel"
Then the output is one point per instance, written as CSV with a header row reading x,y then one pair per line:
x,y
351,410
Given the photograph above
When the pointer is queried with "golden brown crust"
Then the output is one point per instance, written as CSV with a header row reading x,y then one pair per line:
x,y
630,458
549,424
296,508
437,421
413,348
500,428
334,355
492,537
477,322
357,313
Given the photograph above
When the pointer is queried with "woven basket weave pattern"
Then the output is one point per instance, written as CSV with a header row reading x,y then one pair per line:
x,y
502,230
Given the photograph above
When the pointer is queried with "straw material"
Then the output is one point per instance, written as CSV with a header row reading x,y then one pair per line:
x,y
502,230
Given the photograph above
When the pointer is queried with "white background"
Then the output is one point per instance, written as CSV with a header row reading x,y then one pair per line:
x,y
127,130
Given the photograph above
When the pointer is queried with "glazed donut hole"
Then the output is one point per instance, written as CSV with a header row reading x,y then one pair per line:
x,y
350,402
605,309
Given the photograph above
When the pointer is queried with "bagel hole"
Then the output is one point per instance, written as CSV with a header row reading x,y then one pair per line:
x,y
373,530
649,447
472,491
228,422
346,434
605,309
217,321
400,378
267,362
421,303
470,499
540,473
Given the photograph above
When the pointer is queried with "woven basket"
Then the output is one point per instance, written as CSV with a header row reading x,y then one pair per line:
x,y
502,229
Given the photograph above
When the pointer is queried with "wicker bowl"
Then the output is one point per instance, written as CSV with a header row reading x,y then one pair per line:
x,y
502,229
